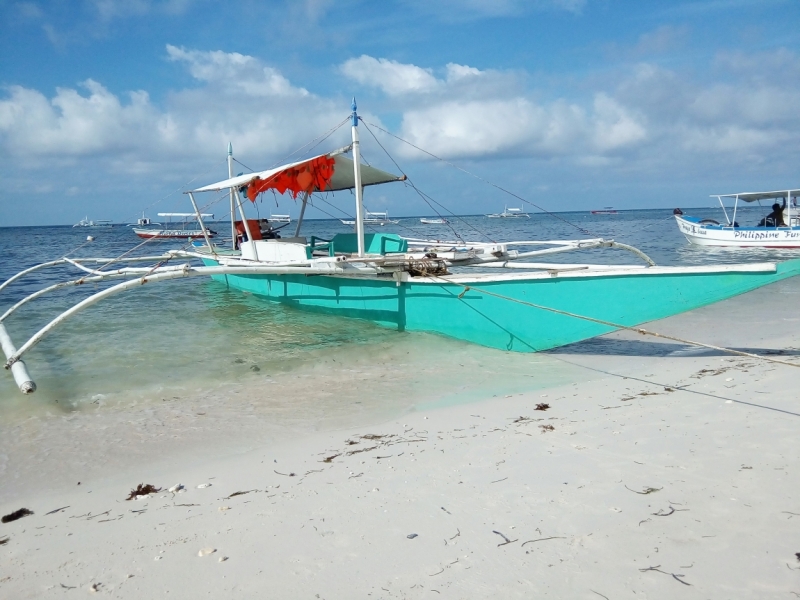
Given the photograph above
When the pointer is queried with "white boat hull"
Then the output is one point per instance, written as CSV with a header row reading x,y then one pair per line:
x,y
171,234
738,237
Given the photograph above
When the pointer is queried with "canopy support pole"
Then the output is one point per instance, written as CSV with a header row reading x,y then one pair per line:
x,y
789,206
200,221
357,178
230,193
302,212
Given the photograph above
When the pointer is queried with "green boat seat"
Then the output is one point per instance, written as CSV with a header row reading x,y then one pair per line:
x,y
374,243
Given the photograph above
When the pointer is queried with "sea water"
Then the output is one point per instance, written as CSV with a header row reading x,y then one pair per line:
x,y
190,363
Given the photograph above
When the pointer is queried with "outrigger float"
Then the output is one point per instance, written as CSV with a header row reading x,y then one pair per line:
x,y
488,293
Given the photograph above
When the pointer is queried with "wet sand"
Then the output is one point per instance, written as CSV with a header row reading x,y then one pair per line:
x,y
669,472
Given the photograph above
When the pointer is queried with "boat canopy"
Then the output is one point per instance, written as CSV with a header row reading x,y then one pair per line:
x,y
323,173
754,196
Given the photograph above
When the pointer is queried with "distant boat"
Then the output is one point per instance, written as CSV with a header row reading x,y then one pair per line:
x,y
280,218
510,213
150,230
373,218
143,221
85,222
427,221
767,233
608,210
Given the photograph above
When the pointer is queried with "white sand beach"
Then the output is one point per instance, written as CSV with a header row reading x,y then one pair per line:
x,y
666,472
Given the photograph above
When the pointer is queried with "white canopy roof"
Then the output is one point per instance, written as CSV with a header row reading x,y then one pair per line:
x,y
753,196
343,176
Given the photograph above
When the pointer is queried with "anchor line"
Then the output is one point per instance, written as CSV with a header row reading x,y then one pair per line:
x,y
468,288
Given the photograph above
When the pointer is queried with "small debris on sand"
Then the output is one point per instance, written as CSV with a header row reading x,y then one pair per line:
x,y
411,536
203,486
4,541
542,406
142,490
546,428
17,514
206,551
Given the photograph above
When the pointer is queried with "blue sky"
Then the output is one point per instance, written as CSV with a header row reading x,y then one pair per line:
x,y
110,107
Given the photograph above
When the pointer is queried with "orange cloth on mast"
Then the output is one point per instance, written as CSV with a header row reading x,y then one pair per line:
x,y
309,176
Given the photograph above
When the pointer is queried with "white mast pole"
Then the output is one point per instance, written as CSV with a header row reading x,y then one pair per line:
x,y
357,175
233,202
302,212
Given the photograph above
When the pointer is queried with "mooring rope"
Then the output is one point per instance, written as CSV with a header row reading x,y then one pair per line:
x,y
468,288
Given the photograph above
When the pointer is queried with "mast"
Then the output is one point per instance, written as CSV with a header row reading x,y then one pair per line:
x,y
357,177
233,202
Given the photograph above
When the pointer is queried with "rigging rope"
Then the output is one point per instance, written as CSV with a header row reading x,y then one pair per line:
x,y
468,288
425,197
486,181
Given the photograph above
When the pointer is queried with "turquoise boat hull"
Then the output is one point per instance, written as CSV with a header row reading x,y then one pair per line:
x,y
460,309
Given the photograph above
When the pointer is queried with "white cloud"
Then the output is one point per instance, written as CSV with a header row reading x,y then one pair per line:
x,y
614,126
239,99
29,10
455,10
235,73
117,9
391,76
456,72
70,124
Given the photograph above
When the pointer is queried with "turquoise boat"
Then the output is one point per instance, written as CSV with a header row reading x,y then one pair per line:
x,y
510,311
493,294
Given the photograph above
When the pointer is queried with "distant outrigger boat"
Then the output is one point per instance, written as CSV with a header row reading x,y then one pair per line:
x,y
432,221
86,222
407,284
151,230
608,210
510,213
373,218
280,218
709,232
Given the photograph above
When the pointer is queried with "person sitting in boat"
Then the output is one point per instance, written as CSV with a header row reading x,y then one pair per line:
x,y
267,232
775,218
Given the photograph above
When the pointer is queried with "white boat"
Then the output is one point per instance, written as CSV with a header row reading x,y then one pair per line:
x,y
431,221
147,229
710,232
490,293
510,213
144,221
373,218
280,218
86,222
608,210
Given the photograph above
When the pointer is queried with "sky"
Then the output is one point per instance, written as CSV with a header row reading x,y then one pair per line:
x,y
110,108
